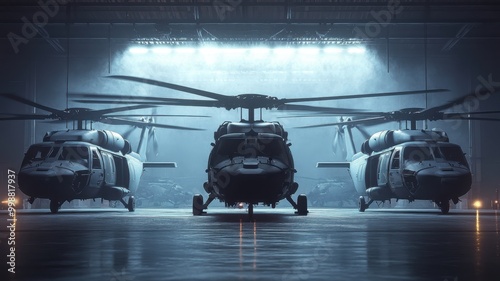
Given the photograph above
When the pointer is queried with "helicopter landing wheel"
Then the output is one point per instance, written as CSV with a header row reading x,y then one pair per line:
x,y
131,204
444,206
197,205
362,204
250,211
302,205
54,206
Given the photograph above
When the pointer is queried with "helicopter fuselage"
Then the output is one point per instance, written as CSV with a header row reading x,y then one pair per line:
x,y
63,170
417,170
251,163
411,165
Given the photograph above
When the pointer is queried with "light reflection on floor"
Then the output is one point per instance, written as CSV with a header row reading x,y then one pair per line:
x,y
171,244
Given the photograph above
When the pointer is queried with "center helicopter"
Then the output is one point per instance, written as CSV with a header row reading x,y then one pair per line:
x,y
250,161
83,163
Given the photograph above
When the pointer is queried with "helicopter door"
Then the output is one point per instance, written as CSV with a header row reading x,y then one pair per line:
x,y
383,168
97,175
109,168
395,177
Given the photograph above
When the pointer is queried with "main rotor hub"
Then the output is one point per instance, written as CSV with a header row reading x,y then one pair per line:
x,y
75,112
253,101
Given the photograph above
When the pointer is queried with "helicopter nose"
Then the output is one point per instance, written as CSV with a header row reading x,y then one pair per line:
x,y
443,182
47,183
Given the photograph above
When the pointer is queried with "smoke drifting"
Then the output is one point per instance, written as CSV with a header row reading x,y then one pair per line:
x,y
280,72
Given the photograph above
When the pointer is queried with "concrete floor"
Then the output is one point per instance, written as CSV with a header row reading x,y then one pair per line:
x,y
328,244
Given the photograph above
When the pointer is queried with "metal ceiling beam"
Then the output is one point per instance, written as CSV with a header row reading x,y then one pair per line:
x,y
248,3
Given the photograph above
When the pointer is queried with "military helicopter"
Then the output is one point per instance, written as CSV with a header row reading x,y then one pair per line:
x,y
83,163
250,161
409,164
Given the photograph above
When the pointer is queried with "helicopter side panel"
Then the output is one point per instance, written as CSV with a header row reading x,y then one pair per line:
x,y
109,168
396,175
357,170
97,173
135,169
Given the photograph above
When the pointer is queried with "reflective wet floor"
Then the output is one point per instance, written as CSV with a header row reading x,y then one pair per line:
x,y
328,244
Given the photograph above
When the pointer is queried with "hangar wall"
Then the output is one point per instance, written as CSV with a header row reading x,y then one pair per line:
x,y
40,72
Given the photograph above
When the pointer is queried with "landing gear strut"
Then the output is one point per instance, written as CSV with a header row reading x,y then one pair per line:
x,y
130,205
444,206
55,206
199,206
362,205
300,206
250,211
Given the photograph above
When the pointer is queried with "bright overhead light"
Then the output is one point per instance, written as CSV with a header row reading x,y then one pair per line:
x,y
185,50
283,51
308,50
356,50
209,51
138,50
332,50
260,51
161,50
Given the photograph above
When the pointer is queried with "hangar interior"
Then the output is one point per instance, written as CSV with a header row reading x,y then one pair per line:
x,y
338,47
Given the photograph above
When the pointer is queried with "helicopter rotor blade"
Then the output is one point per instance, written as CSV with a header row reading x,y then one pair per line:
x,y
13,116
378,119
31,103
230,101
476,112
128,132
386,94
472,118
120,121
109,98
325,110
119,109
190,90
155,141
447,105
158,115
155,101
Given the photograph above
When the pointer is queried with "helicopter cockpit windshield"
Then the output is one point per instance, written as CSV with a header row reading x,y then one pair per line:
x,y
37,152
446,152
450,153
75,153
417,153
250,147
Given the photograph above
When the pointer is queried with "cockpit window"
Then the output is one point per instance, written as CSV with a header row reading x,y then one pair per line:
x,y
417,153
79,154
453,153
36,153
250,147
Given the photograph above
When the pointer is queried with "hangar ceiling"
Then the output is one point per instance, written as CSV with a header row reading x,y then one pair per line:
x,y
444,22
